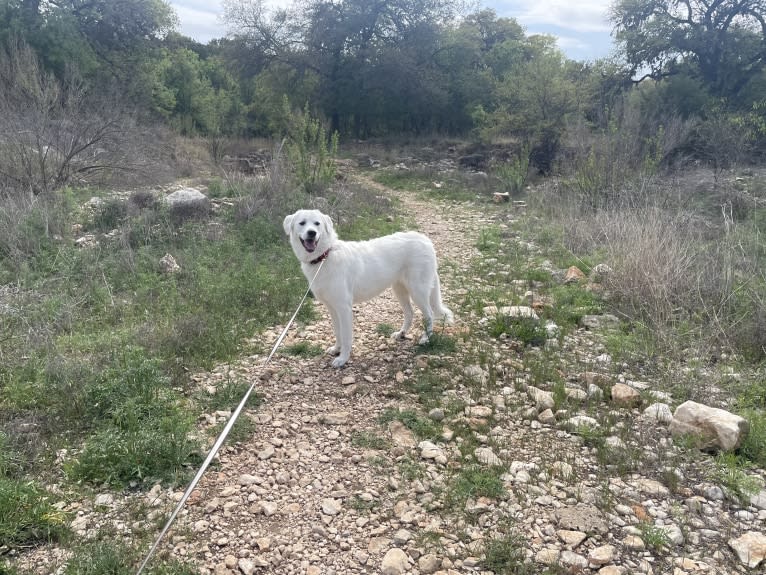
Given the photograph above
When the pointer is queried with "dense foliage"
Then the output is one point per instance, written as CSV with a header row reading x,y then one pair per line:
x,y
406,66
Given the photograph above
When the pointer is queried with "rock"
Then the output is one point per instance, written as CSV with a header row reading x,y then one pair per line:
x,y
625,396
168,264
436,414
400,435
602,555
187,197
599,273
714,428
86,241
573,275
401,537
597,322
267,452
331,506
546,416
499,197
429,563
336,418
573,561
395,562
104,500
581,421
750,548
571,538
634,542
486,456
247,566
543,399
547,556
511,311
659,412
430,451
480,411
581,517
759,499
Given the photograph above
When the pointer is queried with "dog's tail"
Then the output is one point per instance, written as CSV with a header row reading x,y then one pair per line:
x,y
441,312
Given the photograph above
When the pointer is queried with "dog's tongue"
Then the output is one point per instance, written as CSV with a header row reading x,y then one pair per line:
x,y
310,245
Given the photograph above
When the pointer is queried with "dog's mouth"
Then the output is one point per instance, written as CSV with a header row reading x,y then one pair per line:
x,y
309,244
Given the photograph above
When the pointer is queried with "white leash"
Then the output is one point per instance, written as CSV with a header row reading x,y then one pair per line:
x,y
224,433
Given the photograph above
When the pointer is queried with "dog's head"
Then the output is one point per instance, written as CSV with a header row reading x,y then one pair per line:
x,y
311,233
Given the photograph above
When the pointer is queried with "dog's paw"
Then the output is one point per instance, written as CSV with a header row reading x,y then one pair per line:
x,y
423,339
333,350
339,362
399,335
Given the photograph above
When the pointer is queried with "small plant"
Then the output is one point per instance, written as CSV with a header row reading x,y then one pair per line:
x,y
730,474
506,555
101,557
438,343
653,536
475,481
311,151
421,426
489,240
304,349
27,516
228,396
369,440
385,329
525,329
513,175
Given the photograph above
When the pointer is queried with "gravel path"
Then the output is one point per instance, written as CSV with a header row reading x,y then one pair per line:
x,y
333,482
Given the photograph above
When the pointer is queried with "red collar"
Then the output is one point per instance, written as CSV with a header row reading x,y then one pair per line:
x,y
320,258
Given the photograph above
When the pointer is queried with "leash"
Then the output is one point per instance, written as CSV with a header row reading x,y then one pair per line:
x,y
222,437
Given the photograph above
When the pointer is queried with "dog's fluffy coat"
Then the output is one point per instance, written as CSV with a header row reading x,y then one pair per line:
x,y
357,271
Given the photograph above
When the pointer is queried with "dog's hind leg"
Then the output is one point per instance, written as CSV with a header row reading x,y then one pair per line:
x,y
404,300
422,300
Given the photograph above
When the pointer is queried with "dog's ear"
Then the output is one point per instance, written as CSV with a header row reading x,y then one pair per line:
x,y
288,223
328,222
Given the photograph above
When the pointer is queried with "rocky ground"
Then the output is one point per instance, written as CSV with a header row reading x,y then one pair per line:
x,y
448,460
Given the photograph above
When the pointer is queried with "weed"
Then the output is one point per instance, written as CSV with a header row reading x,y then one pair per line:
x,y
438,343
489,240
27,516
369,440
754,446
103,557
474,481
303,349
228,396
730,474
242,430
506,555
411,469
385,329
653,536
527,330
421,426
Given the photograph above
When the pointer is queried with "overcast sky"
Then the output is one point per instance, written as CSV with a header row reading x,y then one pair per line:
x,y
580,26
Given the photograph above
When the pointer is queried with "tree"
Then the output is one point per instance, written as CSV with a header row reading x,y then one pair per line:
x,y
723,42
368,56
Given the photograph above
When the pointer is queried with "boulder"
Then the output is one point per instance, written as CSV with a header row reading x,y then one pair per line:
x,y
715,428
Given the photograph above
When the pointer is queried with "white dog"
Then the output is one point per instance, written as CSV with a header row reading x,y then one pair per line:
x,y
357,271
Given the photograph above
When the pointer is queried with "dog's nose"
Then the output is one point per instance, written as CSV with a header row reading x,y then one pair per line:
x,y
311,234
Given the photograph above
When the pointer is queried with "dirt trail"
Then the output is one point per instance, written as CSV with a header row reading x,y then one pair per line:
x,y
309,493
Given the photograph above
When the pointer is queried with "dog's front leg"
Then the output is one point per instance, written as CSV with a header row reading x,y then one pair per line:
x,y
345,334
335,348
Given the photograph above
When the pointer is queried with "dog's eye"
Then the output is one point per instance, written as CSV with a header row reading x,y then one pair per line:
x,y
316,223
303,223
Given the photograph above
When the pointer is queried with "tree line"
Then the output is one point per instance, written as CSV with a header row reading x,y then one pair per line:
x,y
385,67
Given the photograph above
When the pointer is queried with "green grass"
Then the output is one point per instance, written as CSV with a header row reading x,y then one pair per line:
x,y
506,555
423,181
27,515
474,481
303,349
527,330
730,472
421,426
369,440
437,344
109,558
